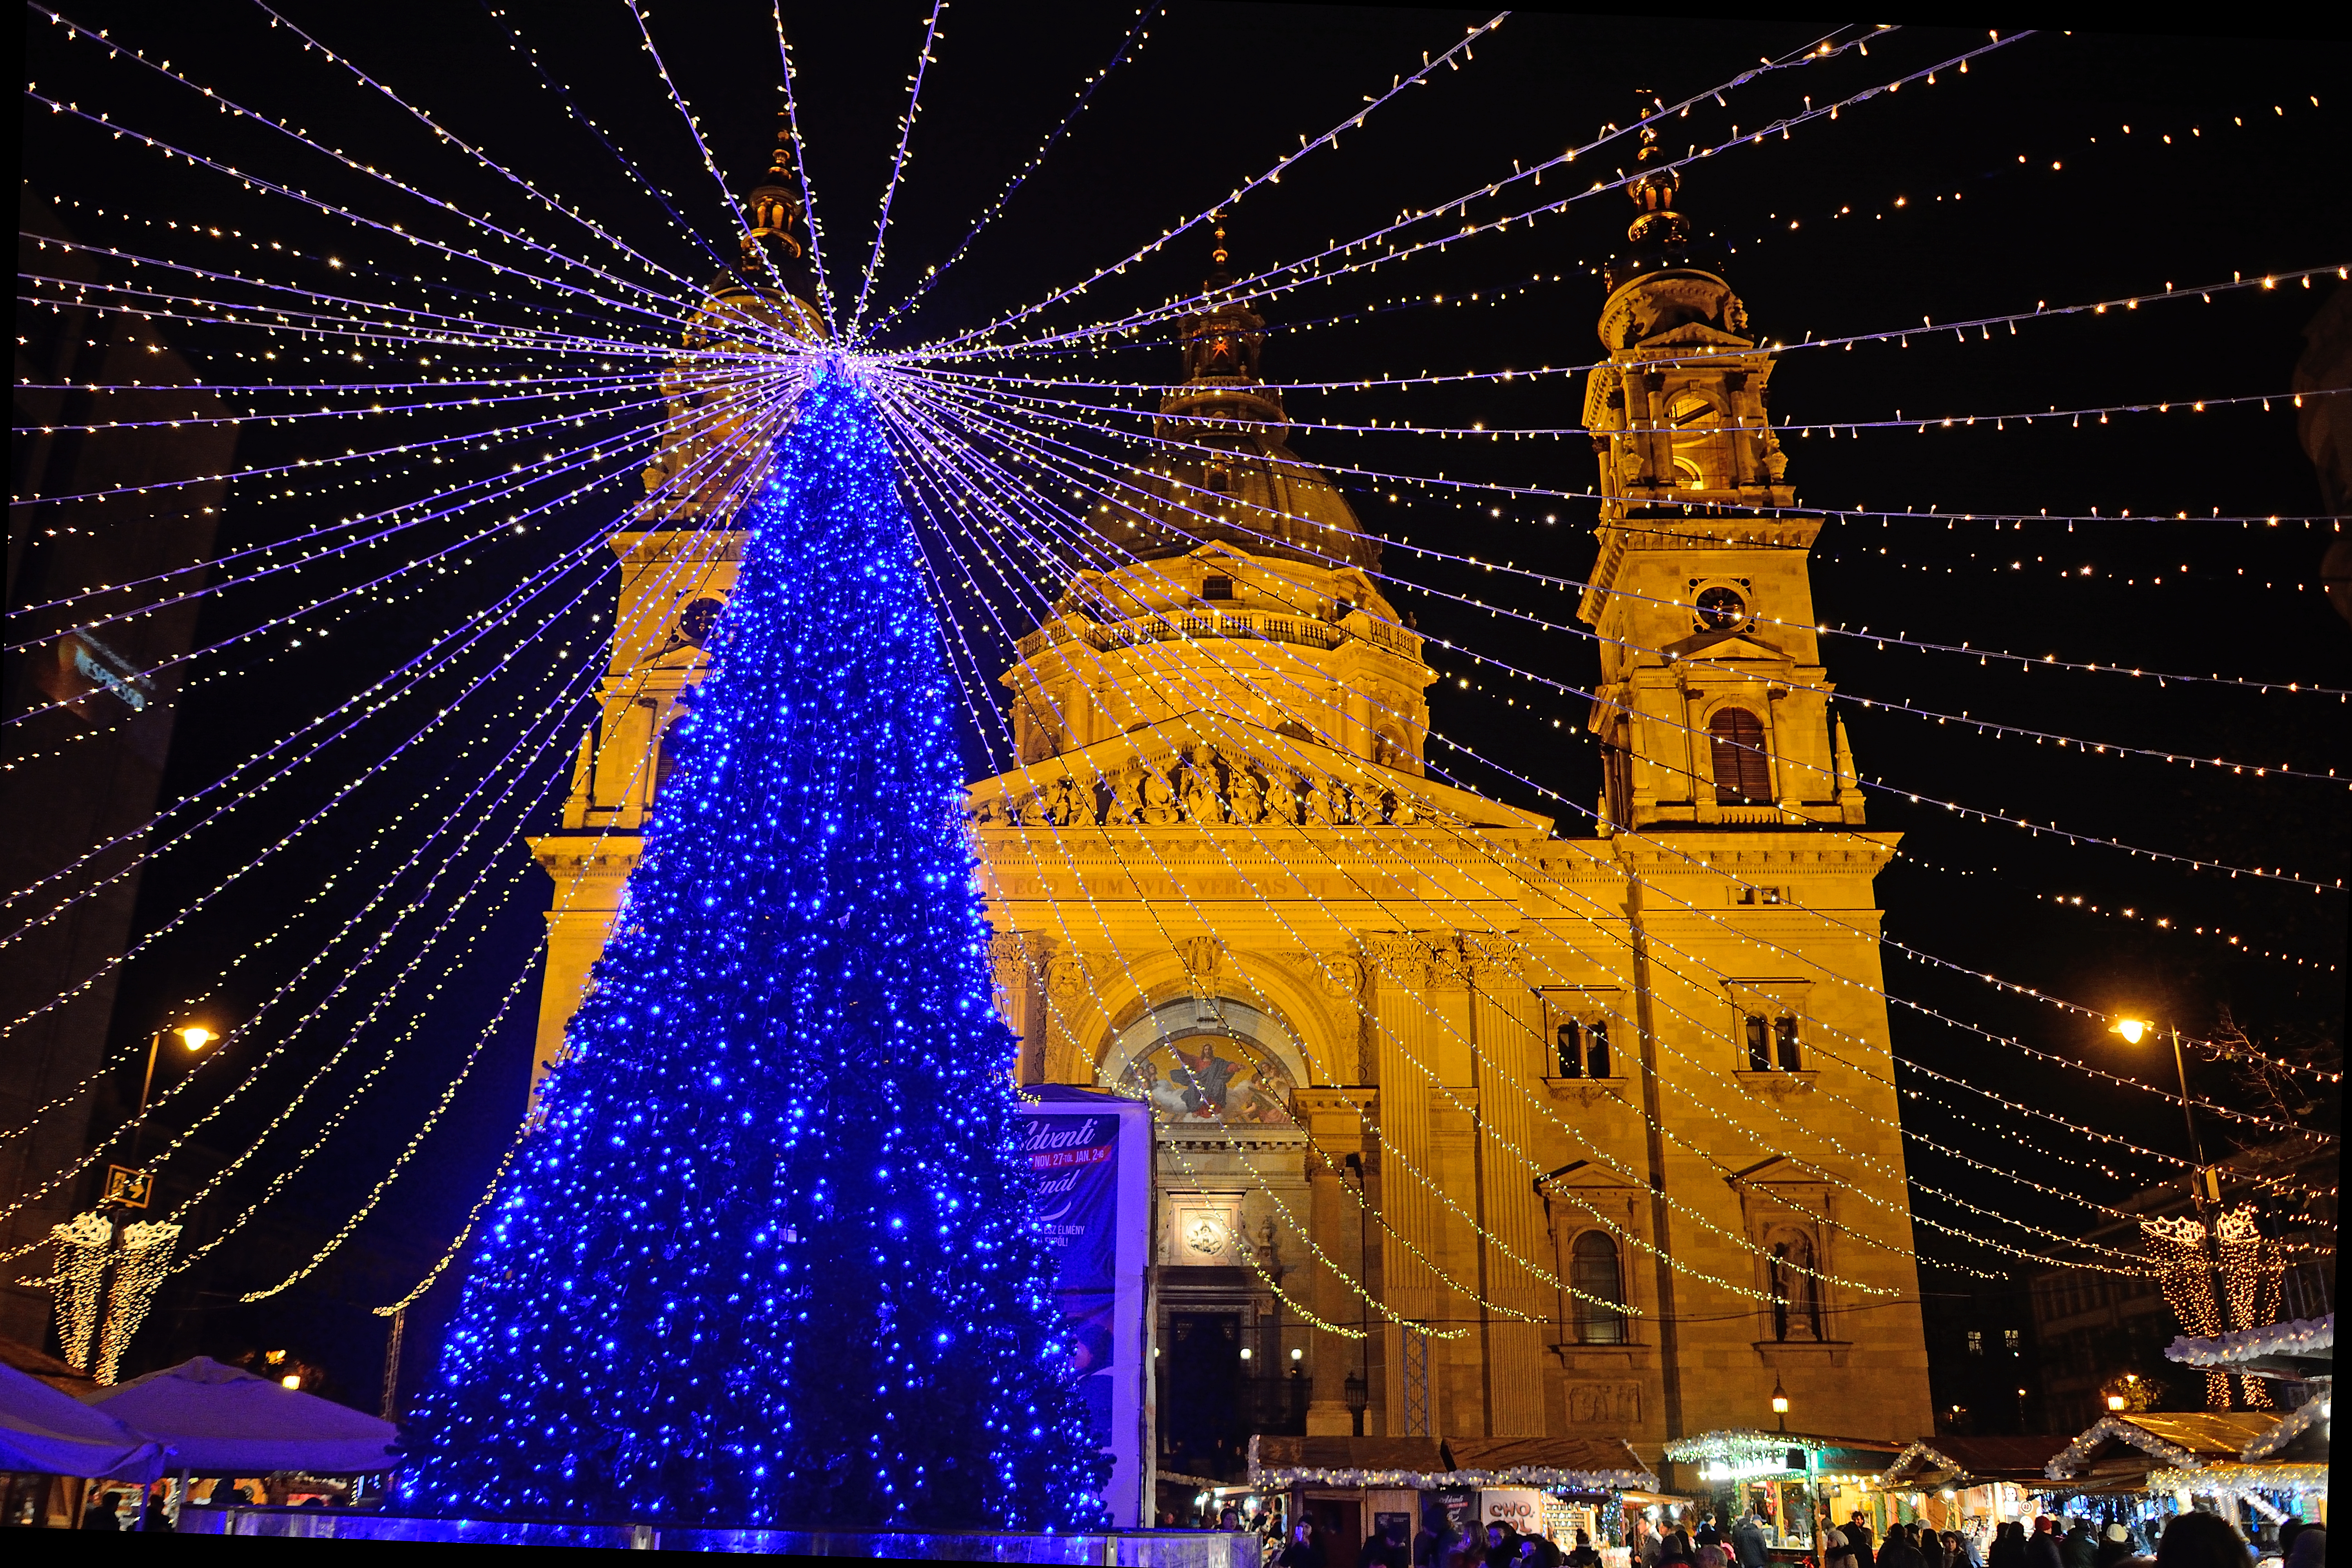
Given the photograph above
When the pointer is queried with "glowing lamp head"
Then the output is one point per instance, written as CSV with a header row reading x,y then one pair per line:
x,y
1780,1405
196,1036
2133,1030
291,1380
2116,1402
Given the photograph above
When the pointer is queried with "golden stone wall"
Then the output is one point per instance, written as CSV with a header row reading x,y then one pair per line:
x,y
1220,876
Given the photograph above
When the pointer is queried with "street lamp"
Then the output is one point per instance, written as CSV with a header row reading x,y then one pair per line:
x,y
196,1036
1780,1402
1359,1394
1359,1384
2135,1030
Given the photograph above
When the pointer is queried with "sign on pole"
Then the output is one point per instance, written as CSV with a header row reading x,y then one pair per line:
x,y
1092,1155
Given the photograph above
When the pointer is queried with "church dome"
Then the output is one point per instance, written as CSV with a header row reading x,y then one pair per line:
x,y
1225,474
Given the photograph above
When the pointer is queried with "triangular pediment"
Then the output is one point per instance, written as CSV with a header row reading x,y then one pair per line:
x,y
1588,1176
1106,785
1741,644
1694,333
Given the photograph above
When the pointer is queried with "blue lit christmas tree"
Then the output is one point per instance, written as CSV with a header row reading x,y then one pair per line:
x,y
771,1258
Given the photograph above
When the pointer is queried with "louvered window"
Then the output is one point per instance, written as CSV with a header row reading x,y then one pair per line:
x,y
1743,773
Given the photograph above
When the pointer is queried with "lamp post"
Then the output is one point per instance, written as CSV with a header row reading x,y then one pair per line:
x,y
196,1036
1780,1402
1359,1384
2135,1030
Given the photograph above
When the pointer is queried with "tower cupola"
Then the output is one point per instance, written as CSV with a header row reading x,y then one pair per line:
x,y
1713,707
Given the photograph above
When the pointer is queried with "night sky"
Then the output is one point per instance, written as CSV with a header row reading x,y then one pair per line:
x,y
2008,188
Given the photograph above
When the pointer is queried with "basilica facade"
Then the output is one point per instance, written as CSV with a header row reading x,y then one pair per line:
x,y
1472,1122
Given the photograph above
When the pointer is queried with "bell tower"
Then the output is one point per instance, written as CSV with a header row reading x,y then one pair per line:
x,y
1713,706
679,552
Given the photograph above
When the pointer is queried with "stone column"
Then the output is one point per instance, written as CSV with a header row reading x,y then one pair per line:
x,y
1016,965
1402,1051
1334,1119
1510,1021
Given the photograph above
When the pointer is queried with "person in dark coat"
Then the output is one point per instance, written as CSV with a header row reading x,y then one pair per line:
x,y
1674,1546
1301,1551
1386,1549
1707,1534
2204,1541
2041,1546
1858,1538
1897,1551
2078,1548
2007,1549
1584,1556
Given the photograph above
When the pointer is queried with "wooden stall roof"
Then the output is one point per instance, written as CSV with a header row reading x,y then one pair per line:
x,y
2119,1451
1962,1461
1596,1464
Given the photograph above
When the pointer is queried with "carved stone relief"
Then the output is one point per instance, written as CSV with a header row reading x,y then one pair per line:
x,y
1207,786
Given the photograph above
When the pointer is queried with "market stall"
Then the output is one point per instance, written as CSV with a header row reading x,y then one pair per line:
x,y
2131,1466
1786,1479
2282,1469
1968,1484
1352,1489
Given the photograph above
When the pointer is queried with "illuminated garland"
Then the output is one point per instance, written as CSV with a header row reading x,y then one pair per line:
x,y
2307,1479
139,1266
2071,1459
2293,1425
552,332
2301,1337
83,1243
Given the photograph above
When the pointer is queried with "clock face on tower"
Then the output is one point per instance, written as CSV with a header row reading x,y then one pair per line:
x,y
698,621
1720,609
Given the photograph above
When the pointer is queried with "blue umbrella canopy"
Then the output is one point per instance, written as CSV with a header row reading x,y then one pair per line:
x,y
48,1433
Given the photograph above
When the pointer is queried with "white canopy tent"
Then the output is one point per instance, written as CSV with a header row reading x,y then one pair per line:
x,y
45,1432
217,1420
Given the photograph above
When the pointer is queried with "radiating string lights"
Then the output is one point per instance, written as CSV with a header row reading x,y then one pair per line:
x,y
490,381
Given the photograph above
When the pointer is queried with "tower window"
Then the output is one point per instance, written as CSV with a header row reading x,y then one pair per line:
x,y
1685,409
1784,1035
1976,1341
1571,1041
1220,478
1582,1048
1594,1270
1215,588
1743,774
1759,1044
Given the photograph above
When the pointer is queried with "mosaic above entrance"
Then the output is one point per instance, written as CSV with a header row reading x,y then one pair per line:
x,y
1204,1077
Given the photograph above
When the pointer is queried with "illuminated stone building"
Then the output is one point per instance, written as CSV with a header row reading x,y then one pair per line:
x,y
1590,1124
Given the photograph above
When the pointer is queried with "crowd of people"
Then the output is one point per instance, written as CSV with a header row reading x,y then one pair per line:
x,y
2189,1540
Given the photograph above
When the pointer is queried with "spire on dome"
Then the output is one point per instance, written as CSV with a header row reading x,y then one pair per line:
x,y
773,210
1228,475
1221,343
1658,226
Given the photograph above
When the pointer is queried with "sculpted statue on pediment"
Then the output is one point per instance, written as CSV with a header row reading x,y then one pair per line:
x,y
1155,799
1201,801
1244,794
